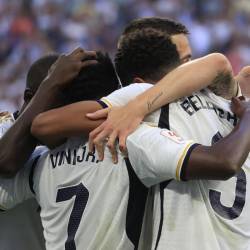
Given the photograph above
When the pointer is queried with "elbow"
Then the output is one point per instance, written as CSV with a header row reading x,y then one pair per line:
x,y
221,62
229,168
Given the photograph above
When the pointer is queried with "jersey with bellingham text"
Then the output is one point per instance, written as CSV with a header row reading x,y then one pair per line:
x,y
188,215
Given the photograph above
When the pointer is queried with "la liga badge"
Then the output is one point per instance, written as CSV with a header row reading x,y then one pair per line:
x,y
172,136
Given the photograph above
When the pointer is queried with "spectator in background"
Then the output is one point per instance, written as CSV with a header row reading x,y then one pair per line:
x,y
31,28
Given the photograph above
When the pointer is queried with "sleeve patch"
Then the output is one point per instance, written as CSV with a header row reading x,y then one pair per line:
x,y
172,136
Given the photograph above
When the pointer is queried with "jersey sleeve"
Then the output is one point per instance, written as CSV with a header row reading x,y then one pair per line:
x,y
16,190
122,96
157,154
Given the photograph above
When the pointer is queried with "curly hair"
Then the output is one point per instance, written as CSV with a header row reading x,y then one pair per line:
x,y
93,82
146,53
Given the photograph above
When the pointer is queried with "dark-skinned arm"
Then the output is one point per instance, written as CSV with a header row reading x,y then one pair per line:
x,y
17,144
225,158
53,127
176,84
175,158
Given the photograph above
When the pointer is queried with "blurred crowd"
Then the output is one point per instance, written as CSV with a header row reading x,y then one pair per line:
x,y
32,28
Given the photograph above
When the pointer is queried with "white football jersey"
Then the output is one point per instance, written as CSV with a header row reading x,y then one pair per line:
x,y
198,214
86,204
20,227
213,214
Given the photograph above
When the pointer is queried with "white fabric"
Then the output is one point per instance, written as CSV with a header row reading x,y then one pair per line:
x,y
156,154
20,227
191,219
192,209
103,186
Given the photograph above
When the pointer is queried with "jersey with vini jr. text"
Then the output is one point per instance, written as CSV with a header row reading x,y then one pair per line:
x,y
87,204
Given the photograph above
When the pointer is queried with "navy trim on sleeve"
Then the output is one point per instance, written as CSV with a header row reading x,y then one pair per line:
x,y
16,114
103,104
31,176
185,162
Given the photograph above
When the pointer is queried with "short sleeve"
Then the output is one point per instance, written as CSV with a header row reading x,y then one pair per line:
x,y
16,190
157,154
122,96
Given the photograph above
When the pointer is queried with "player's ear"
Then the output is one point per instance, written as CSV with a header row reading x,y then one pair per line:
x,y
138,80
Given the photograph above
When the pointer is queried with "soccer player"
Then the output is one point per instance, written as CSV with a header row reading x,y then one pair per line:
x,y
158,95
23,223
98,205
19,221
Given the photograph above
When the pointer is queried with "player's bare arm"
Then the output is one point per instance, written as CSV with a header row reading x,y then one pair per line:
x,y
181,159
18,139
54,126
225,158
182,81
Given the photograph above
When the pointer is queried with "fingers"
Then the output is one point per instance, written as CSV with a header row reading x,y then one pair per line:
x,y
111,144
122,143
235,102
99,143
76,52
237,106
99,114
88,63
81,54
92,136
242,98
89,55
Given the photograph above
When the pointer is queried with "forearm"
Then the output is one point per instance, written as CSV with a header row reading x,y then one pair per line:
x,y
223,159
182,81
54,126
17,144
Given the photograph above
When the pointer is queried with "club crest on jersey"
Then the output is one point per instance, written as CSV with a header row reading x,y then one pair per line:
x,y
171,135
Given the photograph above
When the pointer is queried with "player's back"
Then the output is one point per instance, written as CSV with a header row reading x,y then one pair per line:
x,y
86,204
211,214
20,227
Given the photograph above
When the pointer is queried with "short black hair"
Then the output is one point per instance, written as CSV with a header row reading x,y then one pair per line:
x,y
145,49
171,27
147,53
39,70
93,81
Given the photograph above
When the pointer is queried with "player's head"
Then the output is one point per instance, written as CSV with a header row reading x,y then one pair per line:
x,y
93,82
36,74
151,47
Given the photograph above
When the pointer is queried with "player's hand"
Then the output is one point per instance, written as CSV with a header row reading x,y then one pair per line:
x,y
120,123
243,79
67,67
240,107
